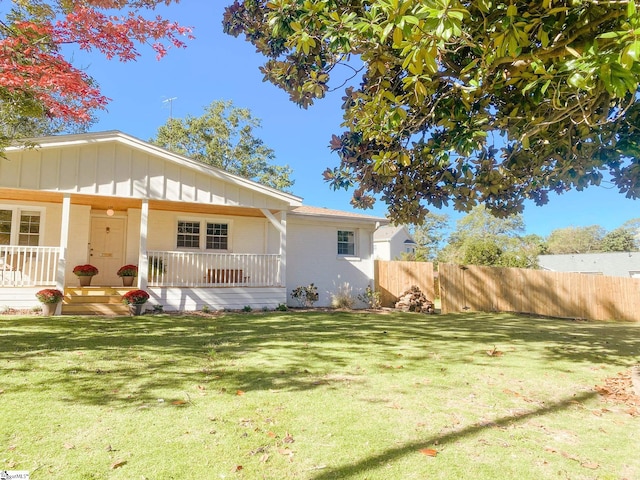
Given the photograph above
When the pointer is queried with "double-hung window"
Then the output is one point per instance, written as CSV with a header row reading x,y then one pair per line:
x,y
188,234
20,227
203,235
217,236
346,242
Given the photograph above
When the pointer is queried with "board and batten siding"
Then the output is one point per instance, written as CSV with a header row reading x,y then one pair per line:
x,y
116,169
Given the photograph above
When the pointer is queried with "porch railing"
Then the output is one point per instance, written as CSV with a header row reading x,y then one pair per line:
x,y
28,266
196,269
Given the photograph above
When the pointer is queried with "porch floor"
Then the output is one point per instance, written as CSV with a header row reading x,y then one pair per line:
x,y
94,301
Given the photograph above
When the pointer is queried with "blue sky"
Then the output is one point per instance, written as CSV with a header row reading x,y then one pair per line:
x,y
216,66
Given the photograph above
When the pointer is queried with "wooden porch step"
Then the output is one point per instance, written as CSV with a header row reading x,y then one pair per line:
x,y
94,309
94,301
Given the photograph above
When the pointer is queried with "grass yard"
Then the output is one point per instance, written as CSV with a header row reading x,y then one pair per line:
x,y
318,396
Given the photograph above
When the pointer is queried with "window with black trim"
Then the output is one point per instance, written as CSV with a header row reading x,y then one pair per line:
x,y
346,242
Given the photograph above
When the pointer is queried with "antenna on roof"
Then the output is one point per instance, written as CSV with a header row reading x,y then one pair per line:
x,y
170,102
170,124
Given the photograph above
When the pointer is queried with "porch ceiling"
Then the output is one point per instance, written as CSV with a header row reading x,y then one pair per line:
x,y
120,204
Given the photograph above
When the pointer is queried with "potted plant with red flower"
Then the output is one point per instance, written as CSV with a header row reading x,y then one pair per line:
x,y
128,273
50,298
85,273
135,299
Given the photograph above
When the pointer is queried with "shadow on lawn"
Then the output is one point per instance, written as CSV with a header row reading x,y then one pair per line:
x,y
375,461
123,359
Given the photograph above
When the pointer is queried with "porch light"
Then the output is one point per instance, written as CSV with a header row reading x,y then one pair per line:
x,y
110,212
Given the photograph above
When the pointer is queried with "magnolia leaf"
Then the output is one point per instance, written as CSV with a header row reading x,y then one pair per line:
x,y
429,452
118,464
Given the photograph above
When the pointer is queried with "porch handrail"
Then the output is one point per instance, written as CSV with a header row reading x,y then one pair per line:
x,y
27,266
206,269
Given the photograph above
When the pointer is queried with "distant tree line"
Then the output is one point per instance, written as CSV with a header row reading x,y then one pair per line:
x,y
479,238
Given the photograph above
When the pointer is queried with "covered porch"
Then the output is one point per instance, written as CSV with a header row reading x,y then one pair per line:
x,y
37,267
110,232
198,235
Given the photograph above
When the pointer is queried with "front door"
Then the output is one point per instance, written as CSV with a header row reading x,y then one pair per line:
x,y
106,248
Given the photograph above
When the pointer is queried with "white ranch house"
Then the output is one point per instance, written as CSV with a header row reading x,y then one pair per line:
x,y
200,236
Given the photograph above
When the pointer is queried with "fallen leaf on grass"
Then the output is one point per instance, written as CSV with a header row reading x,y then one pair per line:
x,y
286,451
237,468
239,393
69,446
633,411
12,447
201,387
429,452
118,464
564,454
264,458
590,465
178,402
494,352
271,434
516,394
288,438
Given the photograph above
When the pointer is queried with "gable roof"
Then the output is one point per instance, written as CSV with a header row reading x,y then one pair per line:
x,y
116,164
387,232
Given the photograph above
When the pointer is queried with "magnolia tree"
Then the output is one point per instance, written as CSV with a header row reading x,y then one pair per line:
x,y
38,83
462,102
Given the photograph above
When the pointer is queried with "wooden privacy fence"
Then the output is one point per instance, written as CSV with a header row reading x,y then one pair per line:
x,y
553,294
392,278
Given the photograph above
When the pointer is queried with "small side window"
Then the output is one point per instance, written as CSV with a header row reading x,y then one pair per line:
x,y
346,242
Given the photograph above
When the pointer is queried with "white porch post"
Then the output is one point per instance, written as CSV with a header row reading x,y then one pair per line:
x,y
281,226
283,248
143,260
64,242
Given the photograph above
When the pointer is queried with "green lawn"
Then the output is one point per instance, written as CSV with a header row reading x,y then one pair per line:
x,y
321,395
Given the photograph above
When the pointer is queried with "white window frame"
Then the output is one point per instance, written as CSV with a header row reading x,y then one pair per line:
x,y
180,220
17,211
355,243
203,221
227,236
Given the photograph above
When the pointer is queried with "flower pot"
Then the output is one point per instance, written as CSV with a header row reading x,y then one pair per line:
x,y
49,309
127,281
85,280
135,309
